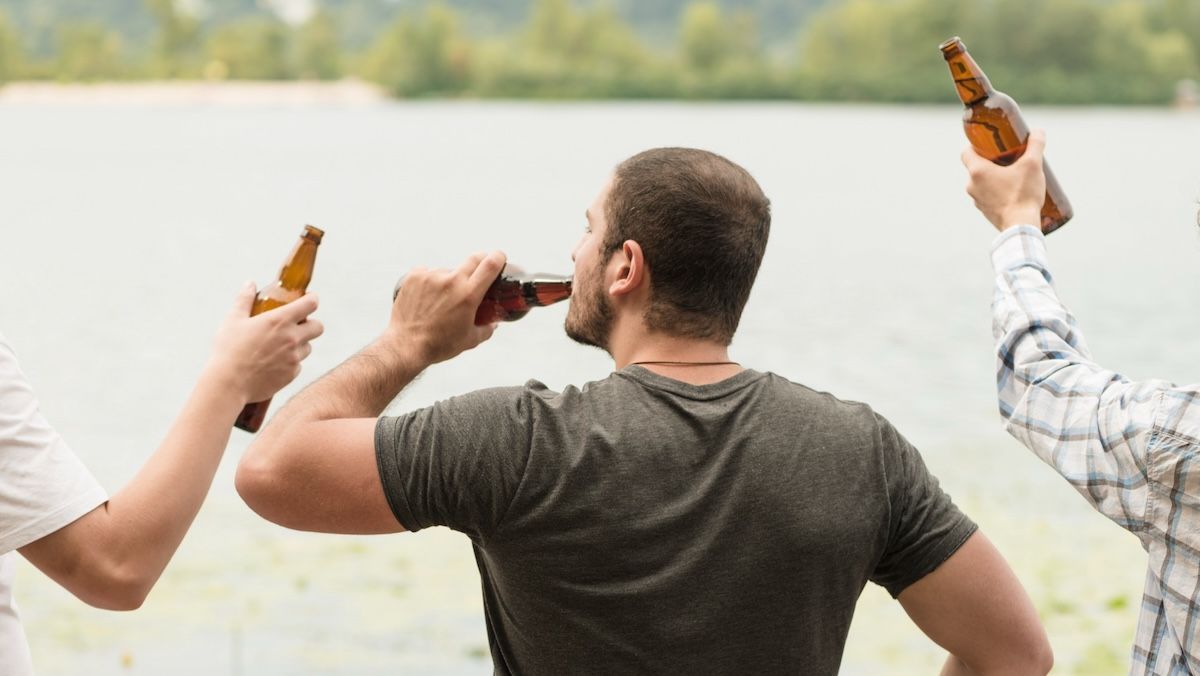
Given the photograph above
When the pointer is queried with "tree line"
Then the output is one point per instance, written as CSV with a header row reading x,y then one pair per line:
x,y
1048,51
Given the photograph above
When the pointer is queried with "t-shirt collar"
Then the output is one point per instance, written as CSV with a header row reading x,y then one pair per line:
x,y
700,392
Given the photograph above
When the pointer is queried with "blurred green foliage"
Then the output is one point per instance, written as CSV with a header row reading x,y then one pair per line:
x,y
11,54
1055,51
250,49
319,49
176,46
87,51
422,55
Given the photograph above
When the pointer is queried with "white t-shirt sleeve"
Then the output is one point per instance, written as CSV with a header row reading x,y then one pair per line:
x,y
43,485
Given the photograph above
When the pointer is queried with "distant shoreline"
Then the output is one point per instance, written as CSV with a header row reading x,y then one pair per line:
x,y
194,92
355,92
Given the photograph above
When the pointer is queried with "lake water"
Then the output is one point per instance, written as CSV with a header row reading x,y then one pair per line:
x,y
126,230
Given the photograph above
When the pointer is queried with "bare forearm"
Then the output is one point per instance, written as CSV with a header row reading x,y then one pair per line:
x,y
150,515
361,387
432,320
314,467
112,556
321,431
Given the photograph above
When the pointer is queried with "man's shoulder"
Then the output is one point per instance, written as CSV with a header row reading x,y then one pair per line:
x,y
513,397
821,403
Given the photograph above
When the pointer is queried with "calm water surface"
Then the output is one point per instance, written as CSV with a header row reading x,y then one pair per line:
x,y
126,230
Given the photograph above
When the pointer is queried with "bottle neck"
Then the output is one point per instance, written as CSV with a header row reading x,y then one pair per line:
x,y
542,289
298,269
970,81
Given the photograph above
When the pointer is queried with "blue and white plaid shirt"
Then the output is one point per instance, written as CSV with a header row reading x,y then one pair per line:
x,y
1130,448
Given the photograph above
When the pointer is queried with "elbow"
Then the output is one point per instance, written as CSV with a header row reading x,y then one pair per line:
x,y
1041,658
1038,661
122,599
1033,657
262,483
255,483
115,586
258,472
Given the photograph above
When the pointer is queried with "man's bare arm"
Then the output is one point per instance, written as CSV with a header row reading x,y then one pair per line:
x,y
314,467
112,556
974,606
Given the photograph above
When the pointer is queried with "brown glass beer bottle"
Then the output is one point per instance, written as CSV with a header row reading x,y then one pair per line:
x,y
515,293
292,283
996,129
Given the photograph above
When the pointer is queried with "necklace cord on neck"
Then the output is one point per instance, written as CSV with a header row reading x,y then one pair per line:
x,y
684,363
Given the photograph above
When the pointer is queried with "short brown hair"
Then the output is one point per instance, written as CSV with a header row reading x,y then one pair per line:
x,y
702,222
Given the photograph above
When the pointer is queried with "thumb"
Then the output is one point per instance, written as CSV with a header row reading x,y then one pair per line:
x,y
243,303
973,160
483,333
1036,145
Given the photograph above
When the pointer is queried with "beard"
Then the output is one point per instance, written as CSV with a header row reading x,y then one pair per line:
x,y
590,317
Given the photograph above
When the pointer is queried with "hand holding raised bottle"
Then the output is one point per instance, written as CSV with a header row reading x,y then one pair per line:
x,y
257,356
996,129
293,281
1009,195
433,315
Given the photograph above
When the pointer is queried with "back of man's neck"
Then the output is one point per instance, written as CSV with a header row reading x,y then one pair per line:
x,y
697,362
692,374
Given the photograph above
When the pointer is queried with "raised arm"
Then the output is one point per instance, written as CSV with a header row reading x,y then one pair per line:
x,y
973,606
1089,423
314,466
112,556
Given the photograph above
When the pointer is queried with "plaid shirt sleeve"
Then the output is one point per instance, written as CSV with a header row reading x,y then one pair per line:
x,y
1129,448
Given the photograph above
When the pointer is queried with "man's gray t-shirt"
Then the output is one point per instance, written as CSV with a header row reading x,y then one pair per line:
x,y
644,525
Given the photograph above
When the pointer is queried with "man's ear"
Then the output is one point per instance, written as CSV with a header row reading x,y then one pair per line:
x,y
631,271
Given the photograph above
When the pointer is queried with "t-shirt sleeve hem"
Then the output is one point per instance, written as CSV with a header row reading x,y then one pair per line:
x,y
64,515
954,540
393,487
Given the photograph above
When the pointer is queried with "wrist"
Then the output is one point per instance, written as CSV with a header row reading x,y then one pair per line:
x,y
1016,217
399,352
222,377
